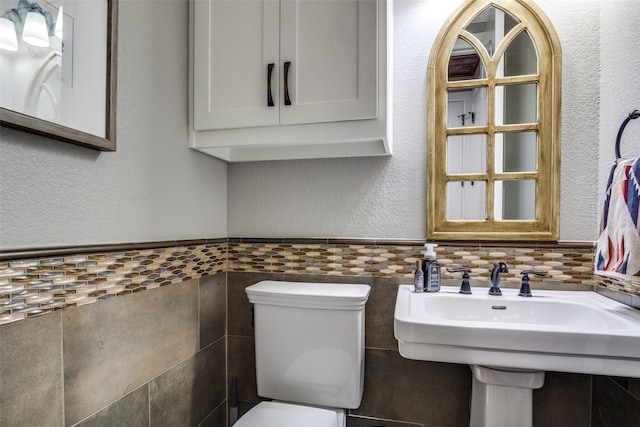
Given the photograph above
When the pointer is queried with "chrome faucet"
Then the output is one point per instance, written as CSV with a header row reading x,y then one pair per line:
x,y
498,268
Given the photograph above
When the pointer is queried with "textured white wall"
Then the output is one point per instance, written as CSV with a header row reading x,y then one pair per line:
x,y
386,198
152,188
619,82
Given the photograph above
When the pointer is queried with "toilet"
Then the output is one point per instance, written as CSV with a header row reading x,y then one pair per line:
x,y
309,340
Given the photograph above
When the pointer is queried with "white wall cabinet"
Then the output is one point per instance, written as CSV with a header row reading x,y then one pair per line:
x,y
287,79
232,44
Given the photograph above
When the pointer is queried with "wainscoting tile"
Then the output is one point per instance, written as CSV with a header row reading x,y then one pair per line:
x,y
131,410
114,347
242,363
218,418
623,381
238,306
564,400
374,422
31,372
634,387
613,405
379,313
244,407
213,306
189,392
399,389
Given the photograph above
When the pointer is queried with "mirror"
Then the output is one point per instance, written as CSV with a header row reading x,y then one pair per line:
x,y
490,26
58,62
493,120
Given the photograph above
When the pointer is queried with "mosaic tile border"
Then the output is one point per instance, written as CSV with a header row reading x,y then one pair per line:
x,y
564,264
626,291
36,286
36,282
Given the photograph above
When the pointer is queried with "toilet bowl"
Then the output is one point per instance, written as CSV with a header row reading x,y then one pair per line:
x,y
277,414
309,340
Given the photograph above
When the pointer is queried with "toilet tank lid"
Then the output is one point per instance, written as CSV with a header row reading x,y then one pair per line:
x,y
332,296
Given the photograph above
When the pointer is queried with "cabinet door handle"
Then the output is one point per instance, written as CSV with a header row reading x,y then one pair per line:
x,y
269,95
287,100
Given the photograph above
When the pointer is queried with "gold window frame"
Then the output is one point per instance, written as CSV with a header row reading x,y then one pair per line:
x,y
545,226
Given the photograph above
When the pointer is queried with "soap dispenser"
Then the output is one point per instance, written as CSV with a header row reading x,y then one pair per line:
x,y
431,269
418,279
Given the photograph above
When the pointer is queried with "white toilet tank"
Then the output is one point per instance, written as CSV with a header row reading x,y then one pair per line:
x,y
310,341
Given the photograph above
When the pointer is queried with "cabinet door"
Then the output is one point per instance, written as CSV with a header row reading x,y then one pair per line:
x,y
332,49
234,43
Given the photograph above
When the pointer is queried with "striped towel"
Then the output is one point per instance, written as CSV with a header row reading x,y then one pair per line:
x,y
618,248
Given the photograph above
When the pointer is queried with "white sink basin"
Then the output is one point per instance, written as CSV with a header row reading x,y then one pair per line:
x,y
567,331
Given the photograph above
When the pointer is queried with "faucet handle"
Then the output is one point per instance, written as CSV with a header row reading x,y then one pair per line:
x,y
525,288
465,288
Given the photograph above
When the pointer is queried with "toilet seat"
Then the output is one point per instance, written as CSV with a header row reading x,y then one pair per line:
x,y
277,414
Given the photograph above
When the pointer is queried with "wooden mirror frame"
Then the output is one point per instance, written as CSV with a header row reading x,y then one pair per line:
x,y
545,226
31,124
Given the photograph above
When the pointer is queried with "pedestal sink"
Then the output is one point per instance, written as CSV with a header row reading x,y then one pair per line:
x,y
510,341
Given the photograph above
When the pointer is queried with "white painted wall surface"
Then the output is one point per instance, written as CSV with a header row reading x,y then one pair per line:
x,y
386,198
620,83
152,188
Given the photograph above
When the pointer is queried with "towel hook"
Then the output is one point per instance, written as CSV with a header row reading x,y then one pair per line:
x,y
632,115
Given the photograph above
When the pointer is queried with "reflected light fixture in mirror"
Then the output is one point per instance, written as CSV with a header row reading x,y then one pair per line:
x,y
35,30
35,24
8,39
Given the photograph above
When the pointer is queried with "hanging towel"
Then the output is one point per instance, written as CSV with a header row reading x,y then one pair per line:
x,y
618,248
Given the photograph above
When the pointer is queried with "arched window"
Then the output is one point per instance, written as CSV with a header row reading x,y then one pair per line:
x,y
494,83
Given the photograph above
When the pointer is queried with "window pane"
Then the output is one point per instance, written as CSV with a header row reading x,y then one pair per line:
x,y
467,107
516,104
520,58
465,63
467,154
516,152
466,200
515,200
490,27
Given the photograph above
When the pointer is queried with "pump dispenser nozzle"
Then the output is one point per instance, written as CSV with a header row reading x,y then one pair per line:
x,y
429,253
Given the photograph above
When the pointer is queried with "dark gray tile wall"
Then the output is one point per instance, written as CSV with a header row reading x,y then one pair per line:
x,y
564,400
614,402
133,407
188,393
242,364
355,421
192,323
241,361
213,309
634,387
145,333
217,418
152,358
31,372
399,389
